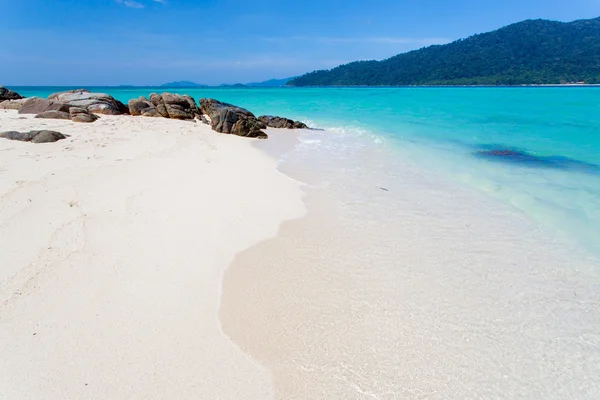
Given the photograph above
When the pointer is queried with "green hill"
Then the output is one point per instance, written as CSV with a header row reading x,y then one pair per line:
x,y
528,52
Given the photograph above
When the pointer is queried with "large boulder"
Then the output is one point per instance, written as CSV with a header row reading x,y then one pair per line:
x,y
227,118
97,103
43,136
78,114
36,105
280,122
136,106
12,104
53,114
6,94
176,106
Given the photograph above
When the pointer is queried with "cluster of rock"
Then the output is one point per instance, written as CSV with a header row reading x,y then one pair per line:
x,y
96,103
82,106
224,117
76,105
44,136
166,105
52,109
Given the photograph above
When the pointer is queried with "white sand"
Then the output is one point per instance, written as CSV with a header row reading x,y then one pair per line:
x,y
113,243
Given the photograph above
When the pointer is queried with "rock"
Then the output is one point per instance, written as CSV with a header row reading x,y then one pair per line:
x,y
36,105
97,103
46,136
43,136
151,112
54,114
279,122
12,104
78,114
6,94
156,100
204,120
137,105
300,125
167,105
227,118
14,135
176,106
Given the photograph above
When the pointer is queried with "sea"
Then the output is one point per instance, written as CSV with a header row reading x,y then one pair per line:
x,y
535,149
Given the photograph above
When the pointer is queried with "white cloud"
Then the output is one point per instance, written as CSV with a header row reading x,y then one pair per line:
x,y
130,3
137,4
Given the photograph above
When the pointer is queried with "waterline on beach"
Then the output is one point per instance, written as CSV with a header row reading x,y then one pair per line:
x,y
400,284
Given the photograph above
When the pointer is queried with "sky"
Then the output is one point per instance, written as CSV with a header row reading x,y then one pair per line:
x,y
150,42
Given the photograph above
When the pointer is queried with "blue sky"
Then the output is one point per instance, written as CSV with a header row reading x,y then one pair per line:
x,y
146,42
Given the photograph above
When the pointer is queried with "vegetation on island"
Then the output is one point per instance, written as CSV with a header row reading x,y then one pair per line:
x,y
529,52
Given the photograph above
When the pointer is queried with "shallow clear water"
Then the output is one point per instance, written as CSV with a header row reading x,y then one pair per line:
x,y
554,177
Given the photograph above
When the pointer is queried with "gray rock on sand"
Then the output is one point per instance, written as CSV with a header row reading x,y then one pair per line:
x,y
12,104
227,118
136,106
36,105
46,136
54,114
97,103
280,122
151,112
175,106
167,105
14,135
78,114
43,136
6,94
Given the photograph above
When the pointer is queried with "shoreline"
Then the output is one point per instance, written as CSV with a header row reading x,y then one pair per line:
x,y
114,242
351,301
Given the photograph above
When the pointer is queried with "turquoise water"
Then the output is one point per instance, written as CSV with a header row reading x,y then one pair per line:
x,y
443,129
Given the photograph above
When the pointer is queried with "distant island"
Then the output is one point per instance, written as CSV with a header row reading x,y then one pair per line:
x,y
532,52
235,85
183,84
189,84
271,83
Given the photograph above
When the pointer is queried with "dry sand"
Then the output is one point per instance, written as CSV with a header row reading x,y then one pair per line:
x,y
113,243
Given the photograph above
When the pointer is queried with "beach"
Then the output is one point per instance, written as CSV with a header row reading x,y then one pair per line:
x,y
113,245
154,258
284,200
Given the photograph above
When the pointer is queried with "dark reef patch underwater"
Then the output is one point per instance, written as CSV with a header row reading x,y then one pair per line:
x,y
524,158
